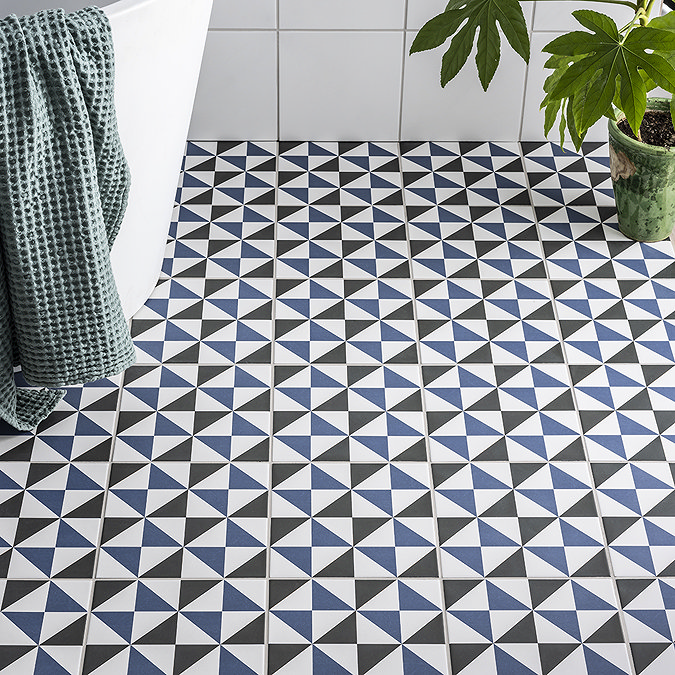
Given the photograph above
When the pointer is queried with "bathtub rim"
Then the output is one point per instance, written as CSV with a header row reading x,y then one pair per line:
x,y
121,7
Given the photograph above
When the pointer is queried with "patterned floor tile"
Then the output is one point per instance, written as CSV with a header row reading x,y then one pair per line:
x,y
42,626
649,612
178,519
341,519
547,626
518,520
356,626
50,518
496,413
195,412
168,626
626,411
348,413
199,320
637,505
344,321
486,321
80,428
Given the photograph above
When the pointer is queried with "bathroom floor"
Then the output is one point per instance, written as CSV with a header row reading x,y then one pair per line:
x,y
433,405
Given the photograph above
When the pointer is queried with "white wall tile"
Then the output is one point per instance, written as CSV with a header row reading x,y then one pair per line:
x,y
461,111
557,15
244,14
341,14
237,92
533,118
339,85
420,11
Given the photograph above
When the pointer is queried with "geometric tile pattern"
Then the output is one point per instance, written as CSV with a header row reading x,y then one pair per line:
x,y
398,408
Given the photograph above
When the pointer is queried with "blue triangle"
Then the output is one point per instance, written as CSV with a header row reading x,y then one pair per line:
x,y
323,481
231,665
322,663
478,620
300,556
388,621
322,536
404,536
598,665
545,498
7,483
121,622
656,619
212,556
667,594
215,498
380,498
585,600
566,620
378,444
46,665
372,394
320,427
372,349
240,480
301,444
162,481
507,664
400,480
139,664
137,499
236,601
148,601
52,499
41,557
165,427
237,536
242,427
414,664
209,622
223,395
573,537
498,599
127,556
463,498
484,481
78,480
410,600
29,622
384,556
301,499
323,599
553,555
489,536
640,555
657,536
395,427
71,538
299,620
469,555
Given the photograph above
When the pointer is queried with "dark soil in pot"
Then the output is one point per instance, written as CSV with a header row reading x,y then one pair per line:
x,y
656,129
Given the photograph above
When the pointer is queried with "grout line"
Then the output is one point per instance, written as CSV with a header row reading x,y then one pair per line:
x,y
271,421
427,440
403,60
612,576
90,607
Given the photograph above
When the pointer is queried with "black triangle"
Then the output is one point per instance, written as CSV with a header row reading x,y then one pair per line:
x,y
82,568
342,634
596,567
542,589
336,355
359,419
504,373
360,472
258,453
441,472
283,418
70,636
282,526
168,569
523,632
185,403
11,508
338,453
99,453
664,420
336,311
333,271
191,589
609,632
461,655
339,402
256,508
279,655
603,471
17,590
95,656
521,471
27,527
627,355
179,453
187,655
280,589
449,527
497,452
629,589
489,402
163,634
252,634
370,655
105,403
259,403
481,355
584,508
189,355
431,634
415,453
572,453
340,567
367,589
550,655
513,566
340,508
175,508
280,472
420,508
254,568
645,653
666,507
412,403
505,507
196,527
424,567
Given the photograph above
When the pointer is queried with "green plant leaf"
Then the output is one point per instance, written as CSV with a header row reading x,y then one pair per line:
x,y
577,138
437,30
455,58
609,71
672,109
462,19
665,22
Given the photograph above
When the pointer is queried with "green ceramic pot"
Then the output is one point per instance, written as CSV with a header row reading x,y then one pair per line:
x,y
643,177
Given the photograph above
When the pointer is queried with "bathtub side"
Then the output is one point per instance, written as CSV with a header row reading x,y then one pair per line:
x,y
158,51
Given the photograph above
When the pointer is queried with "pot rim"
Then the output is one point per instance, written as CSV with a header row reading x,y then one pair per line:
x,y
633,143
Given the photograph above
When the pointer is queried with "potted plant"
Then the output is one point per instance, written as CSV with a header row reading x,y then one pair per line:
x,y
602,71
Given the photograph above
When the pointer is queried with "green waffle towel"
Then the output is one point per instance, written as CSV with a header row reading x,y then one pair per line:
x,y
64,183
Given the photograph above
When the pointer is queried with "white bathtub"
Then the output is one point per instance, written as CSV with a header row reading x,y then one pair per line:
x,y
158,52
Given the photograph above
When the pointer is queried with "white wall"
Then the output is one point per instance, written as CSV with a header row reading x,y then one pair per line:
x,y
340,70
